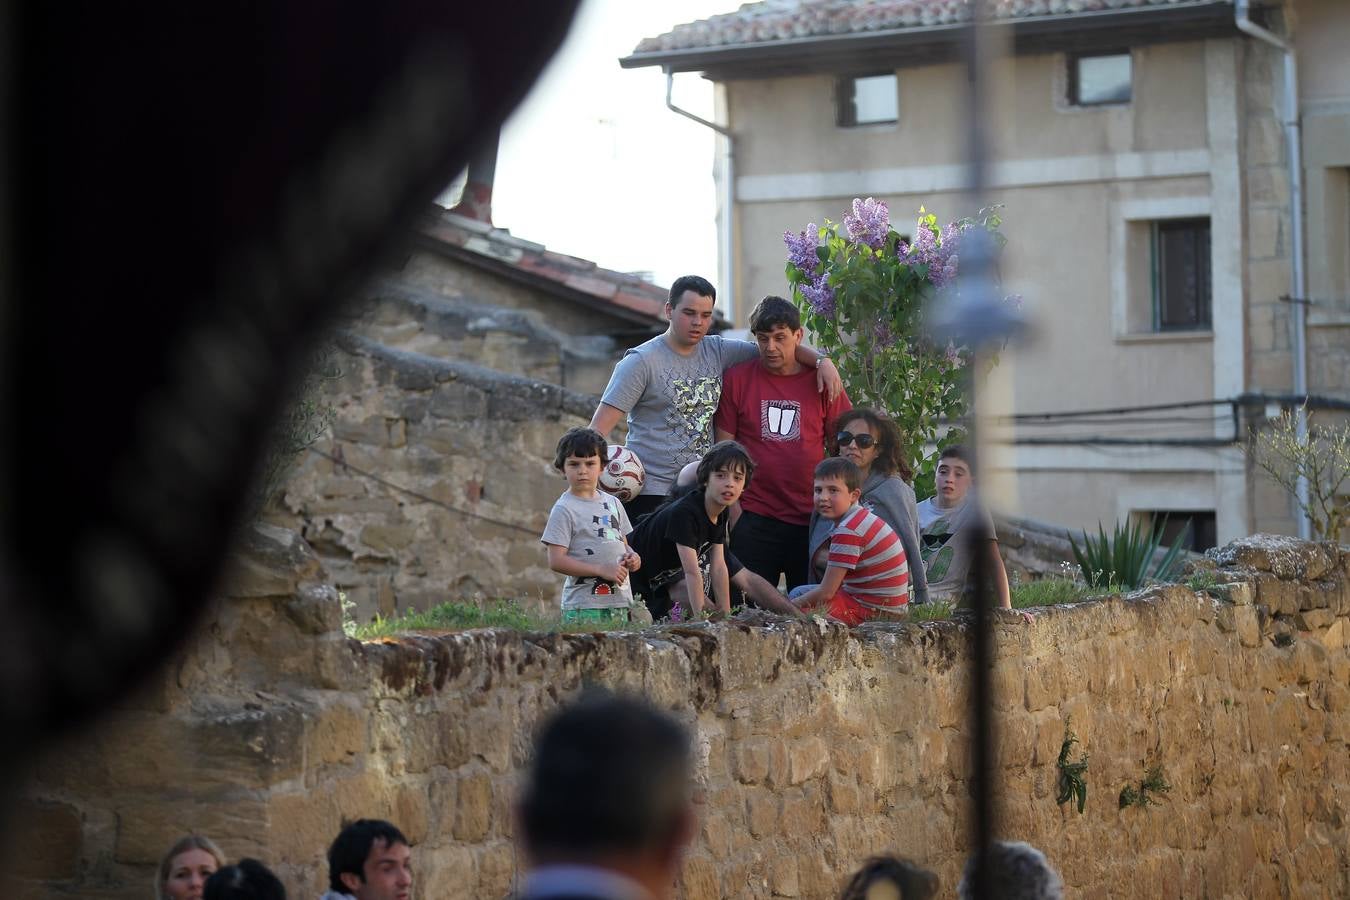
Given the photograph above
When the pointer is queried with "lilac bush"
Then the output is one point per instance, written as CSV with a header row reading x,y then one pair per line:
x,y
861,289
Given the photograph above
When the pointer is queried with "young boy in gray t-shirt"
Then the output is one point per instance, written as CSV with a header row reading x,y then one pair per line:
x,y
586,536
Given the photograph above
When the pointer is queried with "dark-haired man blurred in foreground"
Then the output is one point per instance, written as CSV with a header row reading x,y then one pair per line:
x,y
607,810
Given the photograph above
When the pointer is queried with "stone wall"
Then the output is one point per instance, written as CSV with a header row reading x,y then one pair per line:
x,y
816,746
435,483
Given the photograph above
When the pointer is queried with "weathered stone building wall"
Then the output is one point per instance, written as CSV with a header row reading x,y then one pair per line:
x,y
435,483
816,746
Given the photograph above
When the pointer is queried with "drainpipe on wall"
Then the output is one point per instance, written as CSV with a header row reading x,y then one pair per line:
x,y
1293,136
728,198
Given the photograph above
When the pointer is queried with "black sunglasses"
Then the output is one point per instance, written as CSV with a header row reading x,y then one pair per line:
x,y
844,438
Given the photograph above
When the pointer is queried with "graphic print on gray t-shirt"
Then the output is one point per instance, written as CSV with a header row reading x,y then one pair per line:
x,y
670,401
946,552
592,531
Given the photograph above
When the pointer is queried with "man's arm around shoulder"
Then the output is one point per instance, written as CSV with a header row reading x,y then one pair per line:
x,y
605,418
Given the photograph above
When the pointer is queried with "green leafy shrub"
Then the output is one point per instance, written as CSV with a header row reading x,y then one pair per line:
x,y
862,290
1126,557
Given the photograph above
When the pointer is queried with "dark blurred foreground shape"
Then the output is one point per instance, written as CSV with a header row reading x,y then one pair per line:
x,y
607,809
189,192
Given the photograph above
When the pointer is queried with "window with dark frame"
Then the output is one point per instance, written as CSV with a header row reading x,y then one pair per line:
x,y
867,100
1100,79
1199,526
1181,276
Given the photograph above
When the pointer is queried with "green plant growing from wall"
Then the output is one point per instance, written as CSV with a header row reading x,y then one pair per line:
x,y
1072,784
1126,556
1323,459
862,288
1154,784
1202,580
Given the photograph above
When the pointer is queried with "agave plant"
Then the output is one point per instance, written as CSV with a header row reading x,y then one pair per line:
x,y
1125,557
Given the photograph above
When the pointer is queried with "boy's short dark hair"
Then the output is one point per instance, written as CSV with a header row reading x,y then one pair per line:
x,y
351,848
958,451
247,879
725,455
581,443
701,286
912,881
610,775
773,311
842,469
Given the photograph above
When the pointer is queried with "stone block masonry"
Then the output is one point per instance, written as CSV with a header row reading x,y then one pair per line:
x,y
472,445
816,745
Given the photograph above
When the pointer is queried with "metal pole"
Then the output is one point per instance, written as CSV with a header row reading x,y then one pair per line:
x,y
982,651
975,318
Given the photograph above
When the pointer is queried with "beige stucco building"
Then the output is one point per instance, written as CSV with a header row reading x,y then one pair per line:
x,y
1140,152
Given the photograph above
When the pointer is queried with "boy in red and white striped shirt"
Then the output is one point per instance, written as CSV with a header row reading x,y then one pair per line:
x,y
866,573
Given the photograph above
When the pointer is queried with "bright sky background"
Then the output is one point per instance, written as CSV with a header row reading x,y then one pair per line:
x,y
593,164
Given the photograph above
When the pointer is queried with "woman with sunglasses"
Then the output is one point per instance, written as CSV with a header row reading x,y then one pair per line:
x,y
869,439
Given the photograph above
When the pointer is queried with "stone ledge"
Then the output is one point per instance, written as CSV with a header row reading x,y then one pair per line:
x,y
420,372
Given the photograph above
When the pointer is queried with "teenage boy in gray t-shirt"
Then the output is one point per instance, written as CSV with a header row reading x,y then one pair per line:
x,y
669,387
945,523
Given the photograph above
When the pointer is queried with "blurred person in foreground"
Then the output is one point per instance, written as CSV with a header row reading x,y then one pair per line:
x,y
183,870
607,808
248,879
1017,871
370,859
890,878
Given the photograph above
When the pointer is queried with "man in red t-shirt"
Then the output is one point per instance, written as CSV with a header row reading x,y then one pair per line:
x,y
772,407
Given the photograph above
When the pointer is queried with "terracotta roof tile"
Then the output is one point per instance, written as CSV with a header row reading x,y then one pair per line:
x,y
781,20
558,271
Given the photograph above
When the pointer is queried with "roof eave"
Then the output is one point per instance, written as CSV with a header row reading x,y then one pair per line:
x,y
924,44
612,307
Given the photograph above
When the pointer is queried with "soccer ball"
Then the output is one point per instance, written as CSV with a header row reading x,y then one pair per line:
x,y
623,473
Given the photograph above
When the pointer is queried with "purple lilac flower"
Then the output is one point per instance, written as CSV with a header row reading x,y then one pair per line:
x,y
802,248
819,294
938,253
882,336
922,249
942,267
676,613
953,356
869,224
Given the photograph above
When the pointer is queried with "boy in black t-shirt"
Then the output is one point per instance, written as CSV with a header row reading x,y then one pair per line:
x,y
682,543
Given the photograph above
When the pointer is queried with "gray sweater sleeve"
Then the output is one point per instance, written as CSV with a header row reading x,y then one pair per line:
x,y
893,500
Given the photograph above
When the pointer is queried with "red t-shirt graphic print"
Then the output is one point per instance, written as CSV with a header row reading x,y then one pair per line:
x,y
782,421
